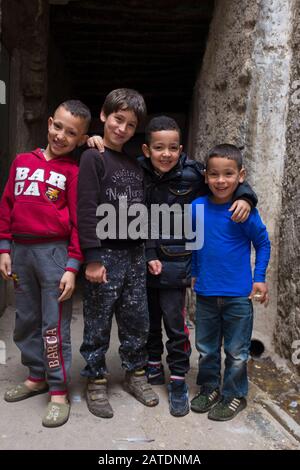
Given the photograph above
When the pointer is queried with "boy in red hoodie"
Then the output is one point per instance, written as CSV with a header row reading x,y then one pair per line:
x,y
38,225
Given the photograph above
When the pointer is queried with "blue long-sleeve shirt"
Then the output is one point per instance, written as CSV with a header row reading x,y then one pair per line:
x,y
222,266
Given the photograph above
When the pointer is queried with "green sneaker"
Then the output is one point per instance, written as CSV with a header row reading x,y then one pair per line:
x,y
227,408
205,399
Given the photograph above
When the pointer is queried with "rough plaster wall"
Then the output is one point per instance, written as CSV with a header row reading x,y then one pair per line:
x,y
266,132
288,321
221,91
241,97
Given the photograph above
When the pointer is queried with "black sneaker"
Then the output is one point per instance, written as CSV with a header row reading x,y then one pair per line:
x,y
205,399
155,374
178,398
227,408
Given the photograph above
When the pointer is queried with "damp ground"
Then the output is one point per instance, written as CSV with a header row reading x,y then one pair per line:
x,y
282,387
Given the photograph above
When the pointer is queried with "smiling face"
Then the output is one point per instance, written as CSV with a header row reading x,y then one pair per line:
x,y
119,127
65,132
164,150
223,176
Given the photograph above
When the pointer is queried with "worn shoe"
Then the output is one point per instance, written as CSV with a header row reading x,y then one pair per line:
x,y
56,415
155,374
136,384
227,408
178,398
205,399
96,398
21,392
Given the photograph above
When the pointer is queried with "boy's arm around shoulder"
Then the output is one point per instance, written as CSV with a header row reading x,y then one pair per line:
x,y
244,199
245,191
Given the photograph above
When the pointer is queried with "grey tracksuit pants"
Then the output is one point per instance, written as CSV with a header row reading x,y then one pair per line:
x,y
42,329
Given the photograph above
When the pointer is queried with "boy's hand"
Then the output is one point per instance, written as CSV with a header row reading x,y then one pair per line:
x,y
67,286
96,141
155,267
241,210
5,266
193,282
96,272
260,293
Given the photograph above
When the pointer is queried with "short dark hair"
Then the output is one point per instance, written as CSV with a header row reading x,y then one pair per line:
x,y
226,151
125,99
161,123
77,109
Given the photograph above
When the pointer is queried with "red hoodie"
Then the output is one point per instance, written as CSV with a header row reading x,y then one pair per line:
x,y
39,203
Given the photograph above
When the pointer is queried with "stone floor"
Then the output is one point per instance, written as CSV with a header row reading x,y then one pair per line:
x,y
133,425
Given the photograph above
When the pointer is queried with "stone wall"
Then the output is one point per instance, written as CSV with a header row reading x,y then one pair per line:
x,y
25,36
24,28
241,96
288,321
265,133
221,90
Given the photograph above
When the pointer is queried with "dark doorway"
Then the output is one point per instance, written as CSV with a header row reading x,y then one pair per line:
x,y
154,46
4,115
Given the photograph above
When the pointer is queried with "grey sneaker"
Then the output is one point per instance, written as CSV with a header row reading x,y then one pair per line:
x,y
96,398
136,384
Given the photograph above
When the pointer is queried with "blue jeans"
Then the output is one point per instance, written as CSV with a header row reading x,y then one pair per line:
x,y
231,319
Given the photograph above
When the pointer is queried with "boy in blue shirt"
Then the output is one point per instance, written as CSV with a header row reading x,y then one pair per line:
x,y
222,280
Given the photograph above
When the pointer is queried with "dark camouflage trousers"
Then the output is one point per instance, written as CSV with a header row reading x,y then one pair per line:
x,y
125,295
